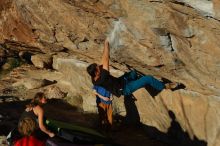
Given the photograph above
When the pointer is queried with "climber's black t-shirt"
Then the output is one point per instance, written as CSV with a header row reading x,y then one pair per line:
x,y
109,82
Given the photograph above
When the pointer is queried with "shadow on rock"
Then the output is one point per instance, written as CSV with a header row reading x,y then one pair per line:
x,y
132,116
174,136
10,111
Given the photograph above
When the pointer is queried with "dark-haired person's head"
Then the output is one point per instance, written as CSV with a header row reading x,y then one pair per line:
x,y
94,70
91,69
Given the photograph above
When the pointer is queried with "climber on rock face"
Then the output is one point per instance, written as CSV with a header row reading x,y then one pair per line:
x,y
124,85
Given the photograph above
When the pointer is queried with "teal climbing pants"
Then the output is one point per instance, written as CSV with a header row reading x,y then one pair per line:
x,y
133,83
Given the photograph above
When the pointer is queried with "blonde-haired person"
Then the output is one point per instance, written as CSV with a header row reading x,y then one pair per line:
x,y
32,118
27,126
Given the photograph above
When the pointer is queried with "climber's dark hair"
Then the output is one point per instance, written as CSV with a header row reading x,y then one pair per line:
x,y
91,69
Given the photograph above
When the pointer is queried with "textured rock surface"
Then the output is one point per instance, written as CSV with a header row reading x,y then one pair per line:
x,y
42,60
54,92
176,40
32,83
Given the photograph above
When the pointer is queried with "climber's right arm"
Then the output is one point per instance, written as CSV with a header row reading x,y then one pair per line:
x,y
105,56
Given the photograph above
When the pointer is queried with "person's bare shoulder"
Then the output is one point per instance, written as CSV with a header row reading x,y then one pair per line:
x,y
38,110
